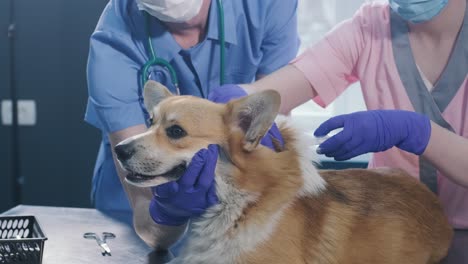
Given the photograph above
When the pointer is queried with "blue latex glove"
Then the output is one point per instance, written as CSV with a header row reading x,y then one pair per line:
x,y
225,93
174,203
374,131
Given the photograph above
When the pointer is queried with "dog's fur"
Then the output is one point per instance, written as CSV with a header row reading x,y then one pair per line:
x,y
274,206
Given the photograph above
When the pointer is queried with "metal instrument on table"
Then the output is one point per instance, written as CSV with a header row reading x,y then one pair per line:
x,y
105,250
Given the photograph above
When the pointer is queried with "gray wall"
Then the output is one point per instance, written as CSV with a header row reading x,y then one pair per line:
x,y
6,196
57,154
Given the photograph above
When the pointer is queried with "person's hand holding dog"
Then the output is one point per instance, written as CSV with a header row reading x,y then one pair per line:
x,y
174,203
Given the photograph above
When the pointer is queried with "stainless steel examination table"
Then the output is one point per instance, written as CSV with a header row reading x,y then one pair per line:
x,y
64,228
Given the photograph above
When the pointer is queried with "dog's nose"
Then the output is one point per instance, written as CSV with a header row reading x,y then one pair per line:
x,y
124,151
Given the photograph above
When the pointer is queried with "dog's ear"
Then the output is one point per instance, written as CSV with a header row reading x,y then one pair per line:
x,y
254,115
154,93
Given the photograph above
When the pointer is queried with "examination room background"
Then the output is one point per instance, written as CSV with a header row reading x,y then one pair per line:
x,y
43,54
44,60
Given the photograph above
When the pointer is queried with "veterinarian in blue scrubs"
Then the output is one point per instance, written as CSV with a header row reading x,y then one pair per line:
x,y
260,37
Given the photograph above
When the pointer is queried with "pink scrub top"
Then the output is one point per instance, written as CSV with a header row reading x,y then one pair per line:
x,y
373,48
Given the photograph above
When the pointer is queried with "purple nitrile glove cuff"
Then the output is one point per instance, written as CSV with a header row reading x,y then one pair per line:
x,y
419,133
162,217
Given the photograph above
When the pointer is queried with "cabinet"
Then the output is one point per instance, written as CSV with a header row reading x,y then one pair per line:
x,y
6,146
57,153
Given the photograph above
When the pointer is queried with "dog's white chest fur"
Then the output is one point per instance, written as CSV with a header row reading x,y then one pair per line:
x,y
215,236
208,241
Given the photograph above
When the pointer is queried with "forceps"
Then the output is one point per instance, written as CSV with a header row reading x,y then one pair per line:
x,y
105,250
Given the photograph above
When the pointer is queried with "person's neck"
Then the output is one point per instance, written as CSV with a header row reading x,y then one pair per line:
x,y
447,23
191,32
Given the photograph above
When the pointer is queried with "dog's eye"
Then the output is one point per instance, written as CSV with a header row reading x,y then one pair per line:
x,y
175,132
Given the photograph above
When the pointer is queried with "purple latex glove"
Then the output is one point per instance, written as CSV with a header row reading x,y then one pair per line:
x,y
225,93
374,131
174,203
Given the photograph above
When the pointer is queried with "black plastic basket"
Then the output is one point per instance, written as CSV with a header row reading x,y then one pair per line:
x,y
21,240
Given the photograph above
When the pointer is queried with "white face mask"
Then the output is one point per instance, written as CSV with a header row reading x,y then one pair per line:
x,y
175,11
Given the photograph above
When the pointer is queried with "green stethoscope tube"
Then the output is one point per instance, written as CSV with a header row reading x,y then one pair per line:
x,y
156,61
222,41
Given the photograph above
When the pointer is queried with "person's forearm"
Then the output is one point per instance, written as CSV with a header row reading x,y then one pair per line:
x,y
290,82
155,235
449,153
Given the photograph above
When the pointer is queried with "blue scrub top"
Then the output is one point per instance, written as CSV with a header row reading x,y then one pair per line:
x,y
261,37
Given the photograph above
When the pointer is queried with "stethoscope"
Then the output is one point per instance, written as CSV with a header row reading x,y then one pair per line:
x,y
156,61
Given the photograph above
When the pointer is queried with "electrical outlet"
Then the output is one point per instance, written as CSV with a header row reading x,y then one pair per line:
x,y
7,113
26,112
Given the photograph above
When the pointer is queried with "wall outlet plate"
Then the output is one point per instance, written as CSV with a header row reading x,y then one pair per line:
x,y
26,112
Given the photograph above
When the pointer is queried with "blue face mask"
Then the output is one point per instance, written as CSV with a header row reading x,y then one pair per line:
x,y
417,11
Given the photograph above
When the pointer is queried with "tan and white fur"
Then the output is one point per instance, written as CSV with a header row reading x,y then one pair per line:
x,y
275,207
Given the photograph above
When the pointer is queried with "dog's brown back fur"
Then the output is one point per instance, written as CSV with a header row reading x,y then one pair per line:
x,y
363,216
280,210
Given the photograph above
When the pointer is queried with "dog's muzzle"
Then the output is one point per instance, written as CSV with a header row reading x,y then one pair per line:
x,y
124,152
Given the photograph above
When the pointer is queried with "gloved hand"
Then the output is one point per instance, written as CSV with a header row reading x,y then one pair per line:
x,y
225,93
174,203
374,131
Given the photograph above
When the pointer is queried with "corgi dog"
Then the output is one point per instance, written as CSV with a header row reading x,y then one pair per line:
x,y
274,205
